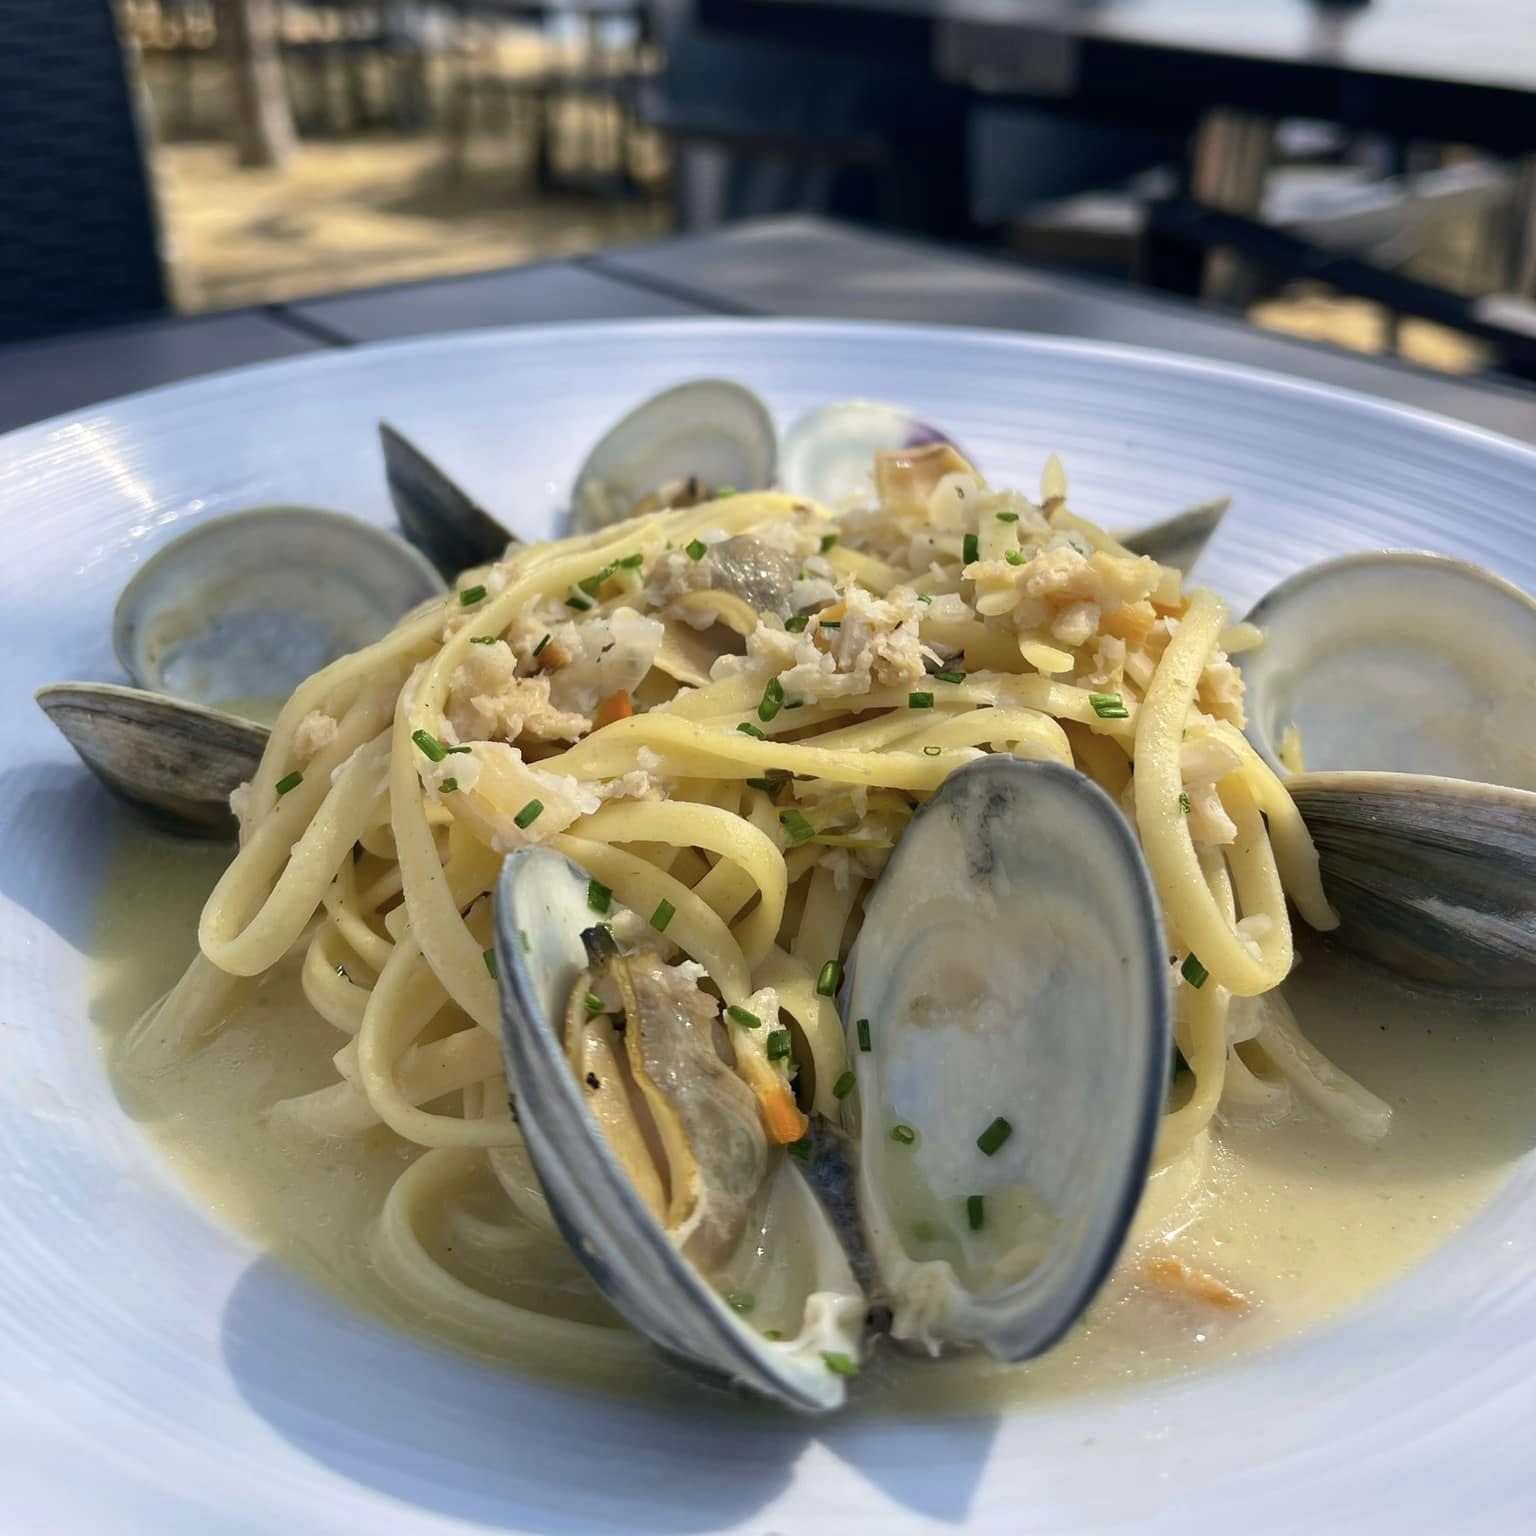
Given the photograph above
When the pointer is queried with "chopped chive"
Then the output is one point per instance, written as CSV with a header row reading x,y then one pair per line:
x,y
663,915
772,701
743,1016
933,751
843,1086
903,1134
450,751
631,562
287,782
448,787
593,1003
862,1027
1014,556
972,551
1109,706
923,597
472,595
590,584
1184,803
489,956
827,979
522,939
489,640
429,744
829,624
1007,517
994,1136
724,491
796,825
599,897
827,541
779,1044
740,1301
793,703
950,677
1193,972
976,1211
542,643
748,729
529,814
801,1150
697,549
768,786
839,1363
796,622
920,701
579,601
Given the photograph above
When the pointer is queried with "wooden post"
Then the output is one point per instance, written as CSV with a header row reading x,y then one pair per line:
x,y
263,122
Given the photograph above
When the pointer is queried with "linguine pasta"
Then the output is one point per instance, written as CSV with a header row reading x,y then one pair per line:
x,y
726,714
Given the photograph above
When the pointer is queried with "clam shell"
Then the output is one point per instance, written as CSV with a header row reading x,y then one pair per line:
x,y
247,606
1433,878
707,430
176,762
828,453
1398,662
1011,968
437,515
541,910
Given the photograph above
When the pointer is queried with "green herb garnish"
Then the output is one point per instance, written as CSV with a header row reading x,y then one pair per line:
x,y
743,1016
779,1044
579,601
994,1136
472,595
1184,803
631,562
772,701
861,1027
593,1003
920,701
976,1211
429,744
903,1134
287,782
827,979
1193,972
748,729
972,551
838,1363
1007,517
1014,556
663,915
950,677
599,897
844,1086
448,787
489,640
489,956
1109,706
933,751
796,622
796,825
697,549
529,814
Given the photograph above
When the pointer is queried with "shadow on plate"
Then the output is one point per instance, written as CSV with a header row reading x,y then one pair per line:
x,y
469,1440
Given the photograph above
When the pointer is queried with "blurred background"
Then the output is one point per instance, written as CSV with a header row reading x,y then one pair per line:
x,y
194,155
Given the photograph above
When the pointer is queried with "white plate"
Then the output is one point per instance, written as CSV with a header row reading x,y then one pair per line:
x,y
156,1374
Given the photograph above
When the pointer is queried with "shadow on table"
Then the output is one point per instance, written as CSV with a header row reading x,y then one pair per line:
x,y
451,1435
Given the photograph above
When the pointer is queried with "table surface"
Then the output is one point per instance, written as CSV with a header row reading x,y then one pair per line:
x,y
793,266
1480,42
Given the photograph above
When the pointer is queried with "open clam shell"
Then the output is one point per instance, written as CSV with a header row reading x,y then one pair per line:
x,y
1011,979
828,453
1433,878
239,610
686,443
177,762
1398,662
541,914
436,514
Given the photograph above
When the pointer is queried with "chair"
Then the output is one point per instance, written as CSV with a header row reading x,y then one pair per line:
x,y
77,235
